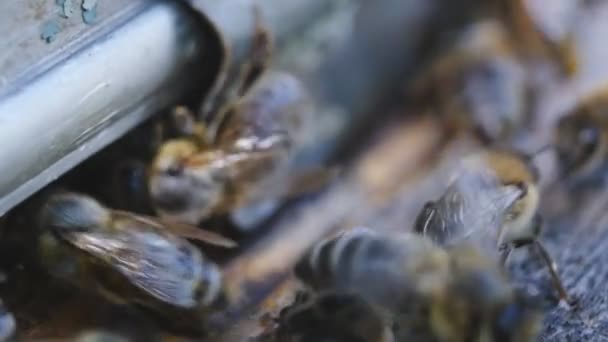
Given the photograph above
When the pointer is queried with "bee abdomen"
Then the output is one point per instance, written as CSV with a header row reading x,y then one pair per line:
x,y
328,261
348,262
341,316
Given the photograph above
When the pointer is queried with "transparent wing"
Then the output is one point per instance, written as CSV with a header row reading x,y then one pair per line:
x,y
472,208
168,270
486,203
180,229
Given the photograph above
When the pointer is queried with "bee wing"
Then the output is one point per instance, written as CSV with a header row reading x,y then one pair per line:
x,y
235,165
482,206
182,229
168,270
195,233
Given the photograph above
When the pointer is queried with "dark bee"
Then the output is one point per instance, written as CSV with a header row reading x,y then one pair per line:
x,y
429,293
336,317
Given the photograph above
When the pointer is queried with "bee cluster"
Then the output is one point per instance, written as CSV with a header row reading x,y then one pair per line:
x,y
133,238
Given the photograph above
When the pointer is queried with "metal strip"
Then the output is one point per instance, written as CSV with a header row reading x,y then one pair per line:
x,y
53,122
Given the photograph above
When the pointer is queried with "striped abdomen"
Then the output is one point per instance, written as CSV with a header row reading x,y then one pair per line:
x,y
378,267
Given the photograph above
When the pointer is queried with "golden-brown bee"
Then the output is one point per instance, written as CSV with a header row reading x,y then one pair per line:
x,y
480,85
530,40
128,259
430,293
241,156
581,139
8,325
493,199
333,316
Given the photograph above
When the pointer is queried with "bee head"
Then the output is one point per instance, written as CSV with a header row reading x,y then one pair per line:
x,y
184,183
577,140
72,212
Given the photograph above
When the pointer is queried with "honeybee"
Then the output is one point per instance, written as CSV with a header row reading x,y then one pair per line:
x,y
8,325
335,317
128,259
530,40
493,199
241,155
480,85
430,293
581,139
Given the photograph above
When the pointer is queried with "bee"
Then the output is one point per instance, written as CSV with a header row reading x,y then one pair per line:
x,y
531,41
333,316
430,293
493,200
581,139
128,259
240,156
8,325
480,85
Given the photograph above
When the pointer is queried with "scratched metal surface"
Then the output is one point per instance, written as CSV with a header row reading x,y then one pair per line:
x,y
25,55
60,98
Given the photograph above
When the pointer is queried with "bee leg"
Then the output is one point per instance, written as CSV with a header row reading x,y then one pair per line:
x,y
546,257
552,266
255,66
184,121
259,57
505,251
